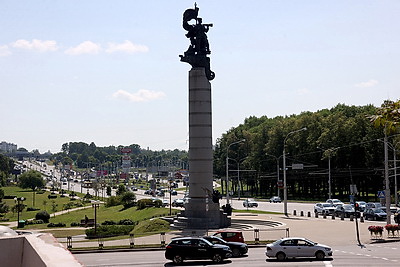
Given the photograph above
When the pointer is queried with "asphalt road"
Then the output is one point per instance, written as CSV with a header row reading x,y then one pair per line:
x,y
386,254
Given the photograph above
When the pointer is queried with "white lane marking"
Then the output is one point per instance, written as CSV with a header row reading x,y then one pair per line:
x,y
328,264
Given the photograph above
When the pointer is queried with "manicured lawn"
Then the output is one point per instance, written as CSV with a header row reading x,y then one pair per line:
x,y
41,202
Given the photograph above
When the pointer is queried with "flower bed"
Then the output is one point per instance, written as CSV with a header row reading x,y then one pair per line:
x,y
375,231
392,228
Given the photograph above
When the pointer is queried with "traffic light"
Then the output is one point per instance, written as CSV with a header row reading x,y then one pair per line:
x,y
216,196
357,207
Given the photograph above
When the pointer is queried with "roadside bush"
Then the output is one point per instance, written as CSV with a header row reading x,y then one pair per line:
x,y
34,221
60,224
126,222
109,230
109,223
32,209
43,215
113,201
51,196
157,203
73,224
144,203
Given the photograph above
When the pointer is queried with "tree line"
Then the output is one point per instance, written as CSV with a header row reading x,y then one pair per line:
x,y
342,137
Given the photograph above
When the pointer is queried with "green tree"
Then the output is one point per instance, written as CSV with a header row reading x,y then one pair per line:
x,y
31,179
121,189
128,199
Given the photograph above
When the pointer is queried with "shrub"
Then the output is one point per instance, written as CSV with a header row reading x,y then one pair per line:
x,y
109,230
113,201
32,209
60,224
43,215
109,223
51,196
157,203
144,203
126,222
73,224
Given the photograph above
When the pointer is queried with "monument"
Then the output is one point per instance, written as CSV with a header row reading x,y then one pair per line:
x,y
202,210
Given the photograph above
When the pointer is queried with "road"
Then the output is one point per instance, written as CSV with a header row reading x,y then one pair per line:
x,y
386,254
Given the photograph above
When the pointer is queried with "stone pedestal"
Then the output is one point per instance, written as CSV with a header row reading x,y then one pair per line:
x,y
200,211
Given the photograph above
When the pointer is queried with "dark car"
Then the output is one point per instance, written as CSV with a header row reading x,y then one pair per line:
x,y
230,236
347,210
238,248
195,248
375,214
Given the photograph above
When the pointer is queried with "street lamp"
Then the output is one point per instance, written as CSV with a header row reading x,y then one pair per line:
x,y
95,205
19,201
277,170
284,170
227,168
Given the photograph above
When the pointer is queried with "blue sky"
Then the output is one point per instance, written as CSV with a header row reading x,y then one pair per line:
x,y
108,72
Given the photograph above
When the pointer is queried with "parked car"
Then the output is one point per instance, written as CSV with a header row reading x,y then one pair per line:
x,y
275,199
238,248
230,236
195,248
346,210
375,214
134,188
397,217
362,205
324,208
334,201
393,209
373,205
250,203
179,202
173,192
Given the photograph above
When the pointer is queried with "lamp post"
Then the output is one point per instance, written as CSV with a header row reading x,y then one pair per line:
x,y
19,201
277,169
95,205
284,170
227,168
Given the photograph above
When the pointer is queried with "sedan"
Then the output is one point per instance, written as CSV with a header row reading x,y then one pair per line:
x,y
324,208
238,248
250,203
275,199
297,247
375,214
347,210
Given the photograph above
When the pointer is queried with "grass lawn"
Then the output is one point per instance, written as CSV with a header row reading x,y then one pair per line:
x,y
41,202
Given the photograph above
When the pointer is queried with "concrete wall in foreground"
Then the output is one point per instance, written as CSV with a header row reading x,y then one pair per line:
x,y
32,250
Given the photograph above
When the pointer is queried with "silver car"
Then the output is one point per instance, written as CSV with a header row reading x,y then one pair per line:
x,y
294,247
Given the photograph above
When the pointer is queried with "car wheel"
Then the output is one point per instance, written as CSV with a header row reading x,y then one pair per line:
x,y
177,259
236,252
280,256
217,258
320,255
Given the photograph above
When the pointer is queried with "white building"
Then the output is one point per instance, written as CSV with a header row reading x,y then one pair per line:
x,y
7,147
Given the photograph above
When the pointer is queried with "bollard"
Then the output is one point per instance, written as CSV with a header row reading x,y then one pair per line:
x,y
131,240
257,236
351,217
69,242
324,215
101,242
309,214
333,216
301,213
294,213
162,238
342,216
316,215
361,219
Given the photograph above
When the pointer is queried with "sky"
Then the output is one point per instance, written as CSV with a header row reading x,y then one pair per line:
x,y
108,72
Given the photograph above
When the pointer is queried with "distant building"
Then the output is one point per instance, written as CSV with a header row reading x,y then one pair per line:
x,y
7,147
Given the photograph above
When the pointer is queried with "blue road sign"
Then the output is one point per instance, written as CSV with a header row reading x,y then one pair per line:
x,y
381,194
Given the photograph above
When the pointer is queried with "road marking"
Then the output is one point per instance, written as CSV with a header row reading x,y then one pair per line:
x,y
328,264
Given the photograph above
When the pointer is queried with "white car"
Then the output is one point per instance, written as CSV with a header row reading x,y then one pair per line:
x,y
294,247
324,208
335,202
250,203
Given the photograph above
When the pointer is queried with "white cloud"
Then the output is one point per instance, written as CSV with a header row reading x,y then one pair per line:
x,y
127,47
39,45
370,83
139,96
86,47
4,51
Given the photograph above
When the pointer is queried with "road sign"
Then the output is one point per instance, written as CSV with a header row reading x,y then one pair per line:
x,y
280,184
381,194
297,166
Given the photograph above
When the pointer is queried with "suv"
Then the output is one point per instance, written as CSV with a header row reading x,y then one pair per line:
x,y
250,203
230,236
375,214
324,208
195,248
334,201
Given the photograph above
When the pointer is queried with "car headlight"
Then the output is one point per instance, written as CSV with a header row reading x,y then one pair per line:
x,y
327,249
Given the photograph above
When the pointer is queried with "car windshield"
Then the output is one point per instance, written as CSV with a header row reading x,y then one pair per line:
x,y
327,205
336,201
378,210
347,207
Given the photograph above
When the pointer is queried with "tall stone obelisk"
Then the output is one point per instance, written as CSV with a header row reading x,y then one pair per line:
x,y
200,211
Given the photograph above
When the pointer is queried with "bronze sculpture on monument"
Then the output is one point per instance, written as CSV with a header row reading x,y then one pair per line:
x,y
202,210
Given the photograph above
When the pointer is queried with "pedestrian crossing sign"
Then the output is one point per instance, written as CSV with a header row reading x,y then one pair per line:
x,y
381,194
